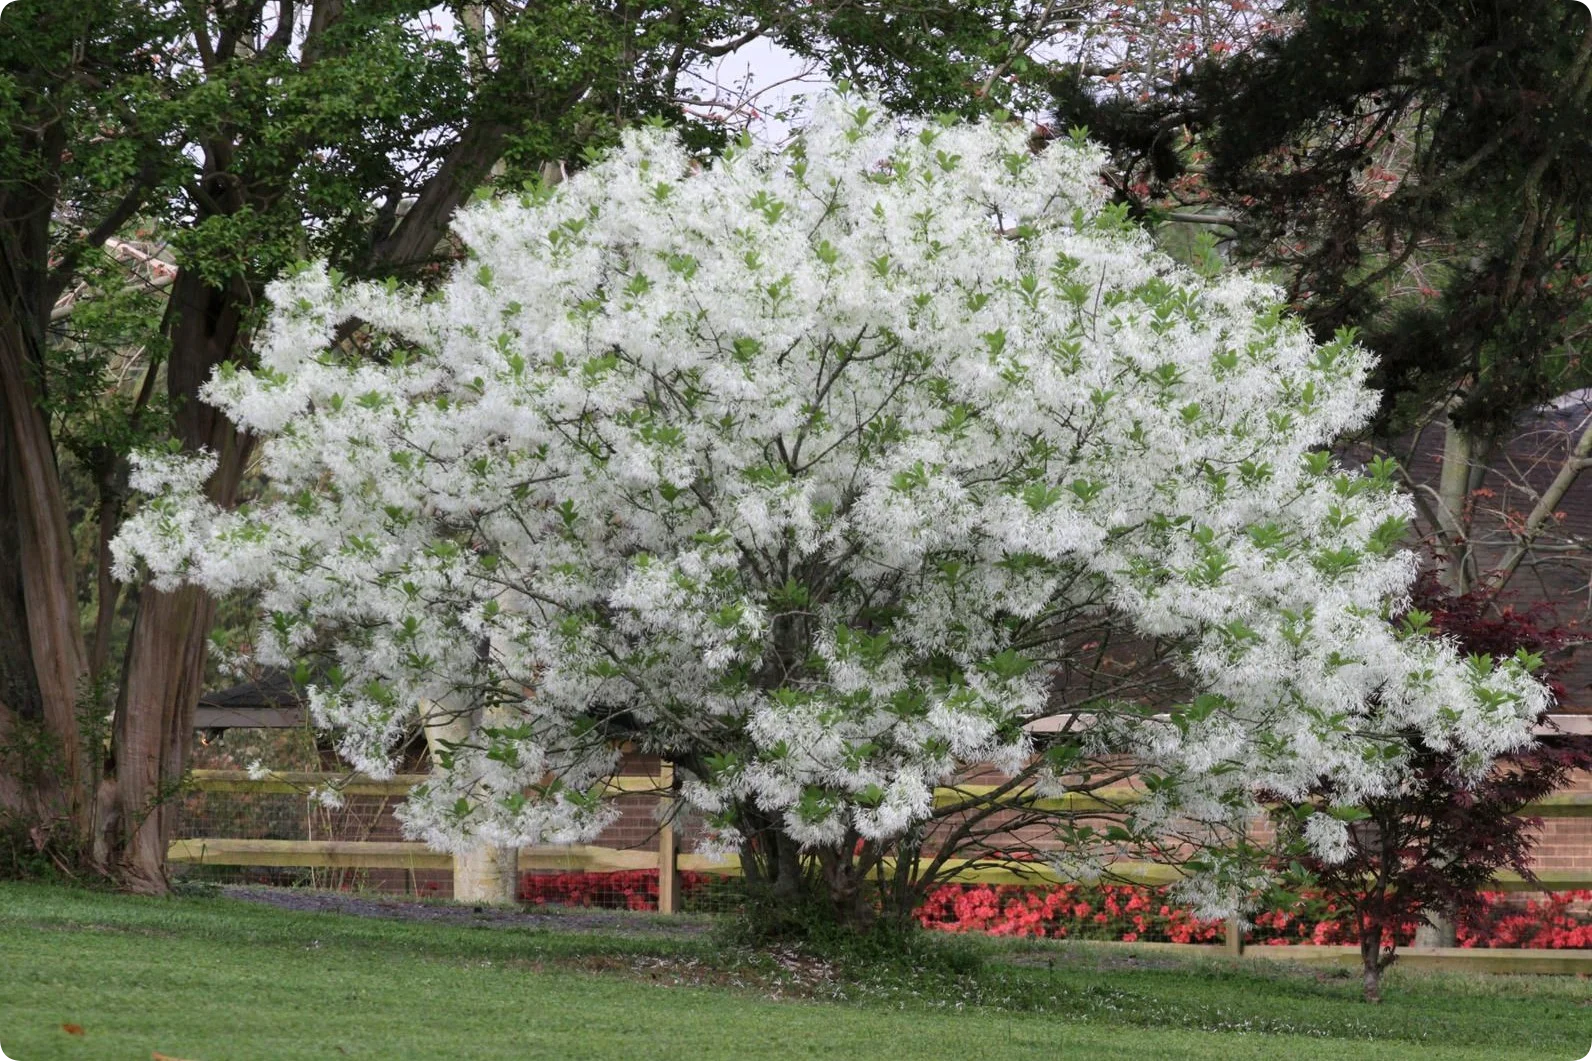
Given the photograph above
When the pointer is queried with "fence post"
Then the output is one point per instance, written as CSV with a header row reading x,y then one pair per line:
x,y
1234,939
668,878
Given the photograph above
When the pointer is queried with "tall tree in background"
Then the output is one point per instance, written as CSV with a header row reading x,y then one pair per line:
x,y
1415,171
251,133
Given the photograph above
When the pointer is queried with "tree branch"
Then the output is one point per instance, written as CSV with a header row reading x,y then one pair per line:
x,y
108,226
1546,505
470,160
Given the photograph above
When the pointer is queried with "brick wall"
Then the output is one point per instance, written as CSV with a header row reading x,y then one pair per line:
x,y
1566,843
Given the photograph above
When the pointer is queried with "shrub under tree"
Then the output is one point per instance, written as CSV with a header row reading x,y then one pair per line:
x,y
1429,847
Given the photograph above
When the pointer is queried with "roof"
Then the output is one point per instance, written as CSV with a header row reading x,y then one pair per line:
x,y
273,702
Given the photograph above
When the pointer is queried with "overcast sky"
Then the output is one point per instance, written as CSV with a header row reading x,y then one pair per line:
x,y
768,77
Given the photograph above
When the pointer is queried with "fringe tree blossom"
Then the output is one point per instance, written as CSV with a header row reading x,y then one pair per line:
x,y
1328,837
805,469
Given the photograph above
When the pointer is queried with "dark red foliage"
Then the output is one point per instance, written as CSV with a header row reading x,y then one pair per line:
x,y
1486,625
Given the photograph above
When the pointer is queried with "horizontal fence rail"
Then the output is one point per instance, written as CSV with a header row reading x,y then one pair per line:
x,y
282,782
1112,797
412,854
588,858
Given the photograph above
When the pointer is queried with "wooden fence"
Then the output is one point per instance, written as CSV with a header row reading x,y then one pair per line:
x,y
590,858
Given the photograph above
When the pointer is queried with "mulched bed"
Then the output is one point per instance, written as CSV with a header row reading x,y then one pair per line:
x,y
565,920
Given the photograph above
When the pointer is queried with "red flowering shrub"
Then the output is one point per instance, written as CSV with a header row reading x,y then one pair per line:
x,y
623,890
1066,911
1122,912
1130,913
1557,921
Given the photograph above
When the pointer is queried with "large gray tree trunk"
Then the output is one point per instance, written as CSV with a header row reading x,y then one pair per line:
x,y
1453,509
1440,933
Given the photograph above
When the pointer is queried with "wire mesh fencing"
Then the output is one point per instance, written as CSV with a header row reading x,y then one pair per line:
x,y
282,830
210,818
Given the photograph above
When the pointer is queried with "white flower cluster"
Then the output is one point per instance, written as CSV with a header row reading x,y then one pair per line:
x,y
1328,837
798,467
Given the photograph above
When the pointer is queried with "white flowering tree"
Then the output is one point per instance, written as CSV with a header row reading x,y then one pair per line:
x,y
817,472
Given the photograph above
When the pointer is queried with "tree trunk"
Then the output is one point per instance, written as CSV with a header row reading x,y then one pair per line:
x,y
770,860
43,662
165,664
1438,931
845,880
149,737
1371,961
486,873
1453,494
22,788
771,864
905,888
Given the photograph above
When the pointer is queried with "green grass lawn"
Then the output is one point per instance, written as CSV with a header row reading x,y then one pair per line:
x,y
216,979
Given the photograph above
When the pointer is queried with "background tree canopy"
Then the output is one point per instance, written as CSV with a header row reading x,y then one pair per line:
x,y
1414,170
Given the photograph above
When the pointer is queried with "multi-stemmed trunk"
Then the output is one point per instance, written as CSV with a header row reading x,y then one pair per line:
x,y
106,784
135,812
799,888
44,780
164,669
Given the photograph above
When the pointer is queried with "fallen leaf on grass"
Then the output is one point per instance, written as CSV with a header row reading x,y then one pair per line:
x,y
156,1055
73,1029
